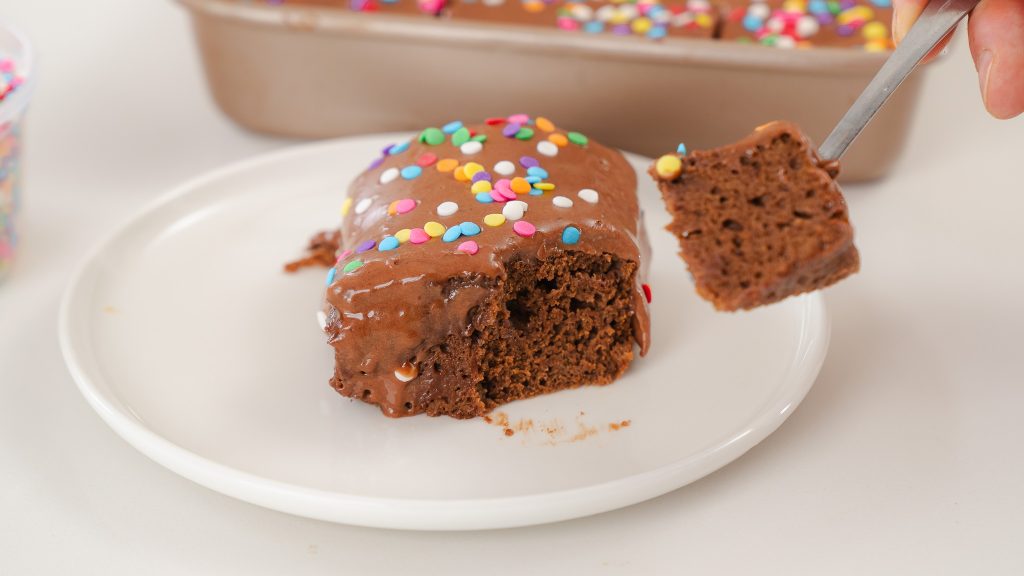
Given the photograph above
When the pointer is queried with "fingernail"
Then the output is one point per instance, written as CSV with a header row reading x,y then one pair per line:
x,y
897,34
985,60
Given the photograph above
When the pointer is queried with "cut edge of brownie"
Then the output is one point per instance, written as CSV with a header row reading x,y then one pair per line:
x,y
760,220
562,322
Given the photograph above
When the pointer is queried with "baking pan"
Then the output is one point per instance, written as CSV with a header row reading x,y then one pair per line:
x,y
315,72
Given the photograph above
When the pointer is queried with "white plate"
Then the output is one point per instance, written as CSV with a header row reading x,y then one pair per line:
x,y
186,337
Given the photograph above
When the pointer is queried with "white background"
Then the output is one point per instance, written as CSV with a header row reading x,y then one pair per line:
x,y
905,458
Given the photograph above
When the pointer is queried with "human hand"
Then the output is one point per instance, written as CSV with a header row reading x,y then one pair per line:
x,y
995,32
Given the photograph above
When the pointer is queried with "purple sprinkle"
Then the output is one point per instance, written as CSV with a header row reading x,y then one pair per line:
x,y
622,30
844,30
847,4
528,162
376,162
510,130
387,149
481,175
824,18
368,245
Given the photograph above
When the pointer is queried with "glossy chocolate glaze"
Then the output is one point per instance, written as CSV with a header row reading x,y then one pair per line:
x,y
401,302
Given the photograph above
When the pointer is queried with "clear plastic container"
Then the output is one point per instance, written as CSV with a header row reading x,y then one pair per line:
x,y
318,72
14,47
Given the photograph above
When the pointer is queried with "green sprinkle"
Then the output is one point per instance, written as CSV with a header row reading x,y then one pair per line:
x,y
432,136
524,134
577,138
353,264
461,136
481,138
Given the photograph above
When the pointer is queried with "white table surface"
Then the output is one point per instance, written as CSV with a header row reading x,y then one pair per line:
x,y
905,458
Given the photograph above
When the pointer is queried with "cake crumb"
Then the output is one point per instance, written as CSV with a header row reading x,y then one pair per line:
x,y
321,251
509,432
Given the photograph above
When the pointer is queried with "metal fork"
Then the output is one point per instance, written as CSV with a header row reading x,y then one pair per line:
x,y
937,20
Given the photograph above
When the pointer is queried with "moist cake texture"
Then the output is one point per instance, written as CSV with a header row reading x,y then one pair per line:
x,y
484,264
758,220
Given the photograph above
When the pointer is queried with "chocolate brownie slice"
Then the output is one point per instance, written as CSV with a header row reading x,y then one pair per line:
x,y
758,220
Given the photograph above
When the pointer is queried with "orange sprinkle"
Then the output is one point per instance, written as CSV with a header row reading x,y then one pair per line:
x,y
545,124
447,165
520,185
460,175
558,139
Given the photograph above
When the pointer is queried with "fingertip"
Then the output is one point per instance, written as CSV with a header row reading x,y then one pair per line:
x,y
998,49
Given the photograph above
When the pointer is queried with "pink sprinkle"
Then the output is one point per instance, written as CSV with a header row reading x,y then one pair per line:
x,y
469,247
418,236
6,65
518,119
507,193
503,184
405,205
566,24
427,159
524,228
344,255
497,197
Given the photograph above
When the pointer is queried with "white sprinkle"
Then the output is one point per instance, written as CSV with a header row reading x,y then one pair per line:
x,y
807,26
775,25
447,208
785,42
547,148
514,210
471,147
363,205
760,11
388,175
408,374
321,319
562,202
606,13
588,195
505,168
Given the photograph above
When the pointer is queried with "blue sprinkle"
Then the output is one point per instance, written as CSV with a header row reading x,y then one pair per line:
x,y
654,11
452,234
484,198
817,7
657,32
681,149
469,229
388,243
410,172
751,23
536,192
533,179
398,148
451,127
882,3
593,27
570,235
330,276
536,171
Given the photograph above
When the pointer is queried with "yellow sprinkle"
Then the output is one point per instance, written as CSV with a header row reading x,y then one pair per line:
x,y
704,20
619,17
480,186
875,31
460,174
494,219
545,124
558,139
794,6
471,168
434,229
861,13
391,208
668,166
345,206
447,165
403,235
878,46
544,186
641,25
520,185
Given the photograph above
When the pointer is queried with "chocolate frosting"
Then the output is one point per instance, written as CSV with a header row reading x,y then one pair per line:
x,y
404,300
